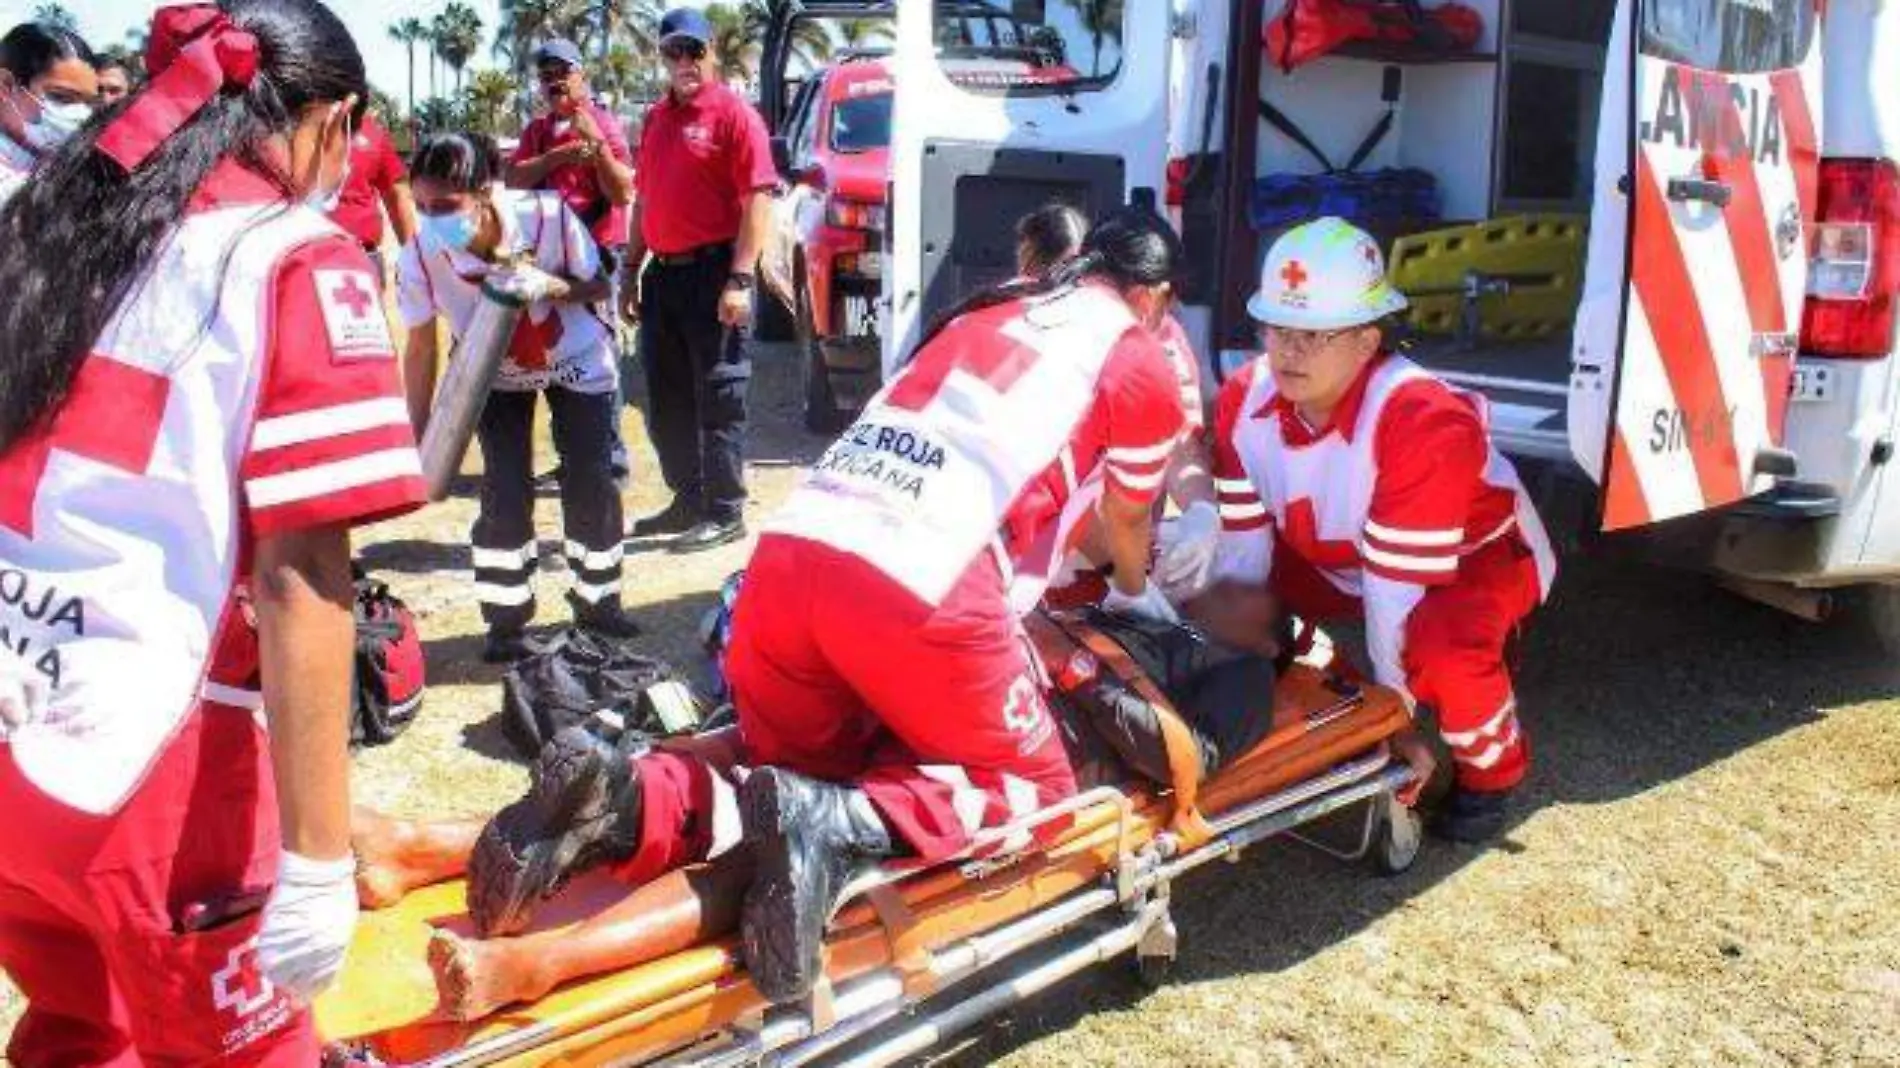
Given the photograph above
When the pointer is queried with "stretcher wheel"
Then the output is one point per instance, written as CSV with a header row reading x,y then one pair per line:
x,y
1396,838
1154,972
1156,952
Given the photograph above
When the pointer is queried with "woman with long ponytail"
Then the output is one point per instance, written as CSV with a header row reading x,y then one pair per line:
x,y
198,398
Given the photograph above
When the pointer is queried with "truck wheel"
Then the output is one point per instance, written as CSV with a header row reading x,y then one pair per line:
x,y
821,406
1880,608
775,320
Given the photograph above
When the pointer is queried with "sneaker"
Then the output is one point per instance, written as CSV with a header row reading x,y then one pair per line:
x,y
582,810
1470,816
808,838
676,518
507,646
709,534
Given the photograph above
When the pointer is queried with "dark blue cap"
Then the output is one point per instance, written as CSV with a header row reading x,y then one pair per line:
x,y
558,50
685,23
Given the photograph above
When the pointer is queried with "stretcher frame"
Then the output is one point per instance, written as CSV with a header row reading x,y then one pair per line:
x,y
1112,871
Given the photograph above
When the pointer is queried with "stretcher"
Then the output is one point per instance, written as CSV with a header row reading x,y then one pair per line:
x,y
1097,889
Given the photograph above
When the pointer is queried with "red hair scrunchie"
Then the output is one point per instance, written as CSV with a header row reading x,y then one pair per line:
x,y
192,53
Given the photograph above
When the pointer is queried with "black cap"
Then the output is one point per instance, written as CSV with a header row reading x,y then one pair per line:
x,y
558,50
685,23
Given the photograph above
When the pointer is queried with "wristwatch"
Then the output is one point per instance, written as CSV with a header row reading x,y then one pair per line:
x,y
741,280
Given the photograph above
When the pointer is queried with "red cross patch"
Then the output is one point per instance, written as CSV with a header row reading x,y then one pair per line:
x,y
352,315
1293,274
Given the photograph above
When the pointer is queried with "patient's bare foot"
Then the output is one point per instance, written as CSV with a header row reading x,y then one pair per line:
x,y
396,856
477,977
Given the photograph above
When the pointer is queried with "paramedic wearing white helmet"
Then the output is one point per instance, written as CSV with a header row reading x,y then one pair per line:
x,y
198,397
1352,480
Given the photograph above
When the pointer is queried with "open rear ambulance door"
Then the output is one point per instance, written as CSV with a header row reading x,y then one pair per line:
x,y
1003,106
1708,149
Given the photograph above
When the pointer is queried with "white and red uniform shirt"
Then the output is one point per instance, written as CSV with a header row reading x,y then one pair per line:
x,y
557,344
247,388
1187,371
15,164
1383,502
982,440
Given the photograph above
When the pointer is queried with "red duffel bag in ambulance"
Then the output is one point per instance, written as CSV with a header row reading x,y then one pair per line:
x,y
1308,29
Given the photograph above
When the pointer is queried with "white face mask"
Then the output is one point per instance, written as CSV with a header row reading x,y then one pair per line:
x,y
326,200
56,123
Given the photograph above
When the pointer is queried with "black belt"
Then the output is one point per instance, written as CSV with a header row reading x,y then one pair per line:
x,y
692,255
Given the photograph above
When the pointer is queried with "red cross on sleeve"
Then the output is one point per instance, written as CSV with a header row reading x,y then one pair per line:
x,y
332,441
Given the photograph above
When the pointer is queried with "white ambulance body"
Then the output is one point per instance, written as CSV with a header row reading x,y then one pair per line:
x,y
1727,383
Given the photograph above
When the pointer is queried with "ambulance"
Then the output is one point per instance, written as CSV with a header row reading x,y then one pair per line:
x,y
1666,245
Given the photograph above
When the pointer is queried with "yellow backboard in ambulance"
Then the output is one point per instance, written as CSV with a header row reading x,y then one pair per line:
x,y
1708,149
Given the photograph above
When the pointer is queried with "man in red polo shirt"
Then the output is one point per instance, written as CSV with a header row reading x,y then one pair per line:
x,y
376,175
705,181
578,149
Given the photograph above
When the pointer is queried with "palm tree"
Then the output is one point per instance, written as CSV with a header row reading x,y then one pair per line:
x,y
1102,19
734,44
488,98
860,33
633,24
526,23
411,32
55,14
458,32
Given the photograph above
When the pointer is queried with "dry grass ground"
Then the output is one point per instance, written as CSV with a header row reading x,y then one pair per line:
x,y
1703,871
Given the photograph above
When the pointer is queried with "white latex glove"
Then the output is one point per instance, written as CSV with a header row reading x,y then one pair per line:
x,y
307,924
1187,550
1150,603
22,694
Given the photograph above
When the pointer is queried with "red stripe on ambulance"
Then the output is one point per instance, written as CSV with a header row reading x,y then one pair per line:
x,y
1803,145
1702,422
1623,504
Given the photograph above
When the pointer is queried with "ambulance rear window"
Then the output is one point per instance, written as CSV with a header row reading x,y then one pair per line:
x,y
1017,47
1732,36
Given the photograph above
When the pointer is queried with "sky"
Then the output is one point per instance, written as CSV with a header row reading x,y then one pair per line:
x,y
104,22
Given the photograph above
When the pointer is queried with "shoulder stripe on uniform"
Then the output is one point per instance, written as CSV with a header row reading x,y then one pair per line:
x,y
1443,538
1406,562
273,490
297,428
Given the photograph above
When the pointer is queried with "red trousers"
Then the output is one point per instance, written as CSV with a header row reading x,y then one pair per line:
x,y
95,913
1454,652
840,673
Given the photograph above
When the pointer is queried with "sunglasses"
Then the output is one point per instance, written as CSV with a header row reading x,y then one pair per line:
x,y
677,50
554,75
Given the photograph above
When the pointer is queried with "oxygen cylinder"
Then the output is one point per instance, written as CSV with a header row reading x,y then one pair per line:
x,y
463,390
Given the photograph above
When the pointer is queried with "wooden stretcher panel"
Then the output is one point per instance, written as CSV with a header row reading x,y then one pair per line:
x,y
387,995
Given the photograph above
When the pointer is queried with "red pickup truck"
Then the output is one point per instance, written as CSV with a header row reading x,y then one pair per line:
x,y
822,263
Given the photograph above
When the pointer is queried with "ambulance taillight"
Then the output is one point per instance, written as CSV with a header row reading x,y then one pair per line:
x,y
1854,261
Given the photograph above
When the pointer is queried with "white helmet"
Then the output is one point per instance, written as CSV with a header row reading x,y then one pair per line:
x,y
1324,275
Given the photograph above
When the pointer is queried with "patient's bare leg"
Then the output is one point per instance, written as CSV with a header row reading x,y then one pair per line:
x,y
678,910
395,856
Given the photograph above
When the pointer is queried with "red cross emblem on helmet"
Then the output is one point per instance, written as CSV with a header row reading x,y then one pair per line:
x,y
1293,274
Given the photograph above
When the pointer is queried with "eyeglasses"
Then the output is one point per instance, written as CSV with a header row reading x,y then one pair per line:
x,y
1277,337
674,51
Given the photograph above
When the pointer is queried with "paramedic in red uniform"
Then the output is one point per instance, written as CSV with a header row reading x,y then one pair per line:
x,y
1351,481
377,183
705,181
178,882
885,692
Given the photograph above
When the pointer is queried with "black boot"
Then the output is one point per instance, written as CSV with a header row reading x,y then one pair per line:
x,y
710,534
1470,816
605,617
507,646
676,518
582,809
808,838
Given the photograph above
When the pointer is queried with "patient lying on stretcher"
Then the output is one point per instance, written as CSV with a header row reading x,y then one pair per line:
x,y
1222,692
